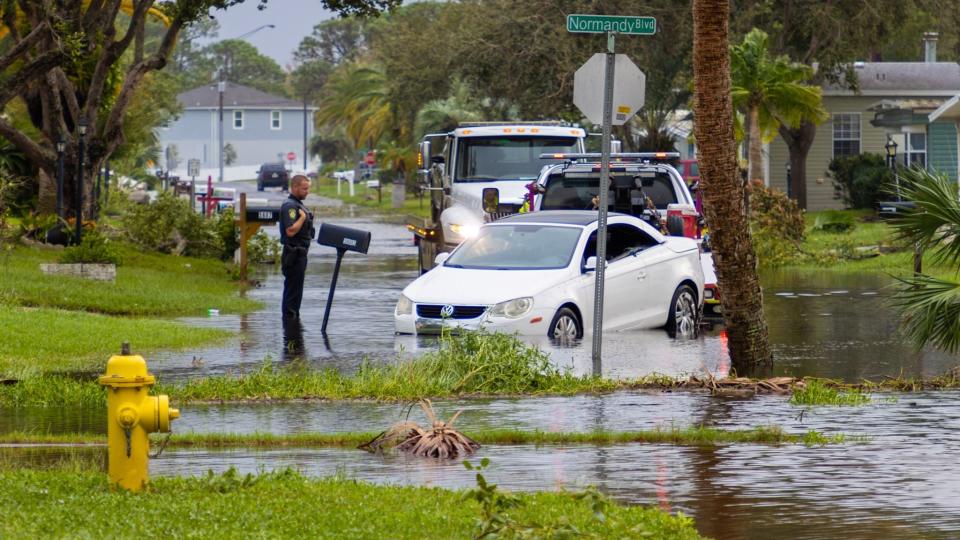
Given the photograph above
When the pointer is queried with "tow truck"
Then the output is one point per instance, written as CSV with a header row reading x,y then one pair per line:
x,y
642,184
475,157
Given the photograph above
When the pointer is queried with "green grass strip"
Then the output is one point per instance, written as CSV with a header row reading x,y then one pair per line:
x,y
815,392
285,504
38,340
691,436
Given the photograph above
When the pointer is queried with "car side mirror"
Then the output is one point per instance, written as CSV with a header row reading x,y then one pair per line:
x,y
440,258
491,200
423,155
590,265
436,160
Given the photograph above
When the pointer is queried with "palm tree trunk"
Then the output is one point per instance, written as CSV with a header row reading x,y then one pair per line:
x,y
755,146
736,264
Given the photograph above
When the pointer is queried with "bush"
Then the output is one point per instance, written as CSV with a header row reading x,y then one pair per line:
x,y
834,221
776,225
95,248
860,180
263,249
170,225
227,233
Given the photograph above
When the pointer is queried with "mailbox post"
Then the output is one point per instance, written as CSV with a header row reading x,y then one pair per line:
x,y
344,239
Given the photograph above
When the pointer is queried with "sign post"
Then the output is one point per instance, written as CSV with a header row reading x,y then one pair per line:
x,y
628,91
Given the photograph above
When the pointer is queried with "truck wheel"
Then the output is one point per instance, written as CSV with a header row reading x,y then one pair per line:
x,y
565,326
259,186
675,225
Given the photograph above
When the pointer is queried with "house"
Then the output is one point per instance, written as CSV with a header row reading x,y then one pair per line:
x,y
257,128
897,101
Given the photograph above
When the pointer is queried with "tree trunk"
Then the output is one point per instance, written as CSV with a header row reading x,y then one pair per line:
x,y
47,192
723,190
755,146
799,140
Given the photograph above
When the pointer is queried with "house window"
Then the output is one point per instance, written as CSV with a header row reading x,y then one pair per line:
x,y
916,152
274,119
846,134
237,119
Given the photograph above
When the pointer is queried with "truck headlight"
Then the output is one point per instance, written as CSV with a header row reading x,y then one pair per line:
x,y
464,231
404,306
512,309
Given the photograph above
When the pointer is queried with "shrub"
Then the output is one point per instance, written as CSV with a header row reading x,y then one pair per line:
x,y
227,233
263,249
95,248
834,221
170,225
860,180
776,225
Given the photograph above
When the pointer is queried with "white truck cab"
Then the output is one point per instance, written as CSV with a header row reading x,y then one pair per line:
x,y
473,158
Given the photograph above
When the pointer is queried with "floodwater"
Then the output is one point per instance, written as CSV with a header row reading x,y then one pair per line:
x,y
904,482
826,324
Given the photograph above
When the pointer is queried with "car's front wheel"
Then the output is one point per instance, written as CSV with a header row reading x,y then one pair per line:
x,y
259,186
566,326
684,314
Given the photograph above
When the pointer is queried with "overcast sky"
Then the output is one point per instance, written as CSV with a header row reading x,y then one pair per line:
x,y
294,20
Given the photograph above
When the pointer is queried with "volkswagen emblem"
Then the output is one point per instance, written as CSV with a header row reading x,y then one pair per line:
x,y
446,311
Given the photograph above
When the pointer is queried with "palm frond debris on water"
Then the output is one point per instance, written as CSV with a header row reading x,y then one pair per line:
x,y
440,440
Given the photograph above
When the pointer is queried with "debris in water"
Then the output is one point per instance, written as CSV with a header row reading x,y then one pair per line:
x,y
439,441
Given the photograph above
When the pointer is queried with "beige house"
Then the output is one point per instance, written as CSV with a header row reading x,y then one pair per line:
x,y
896,100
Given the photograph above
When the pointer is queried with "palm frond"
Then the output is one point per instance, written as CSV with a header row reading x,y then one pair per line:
x,y
930,311
935,222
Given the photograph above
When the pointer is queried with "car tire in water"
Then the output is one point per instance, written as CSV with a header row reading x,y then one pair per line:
x,y
259,187
565,326
683,318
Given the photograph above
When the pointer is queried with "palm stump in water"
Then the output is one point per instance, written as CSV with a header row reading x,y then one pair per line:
x,y
438,441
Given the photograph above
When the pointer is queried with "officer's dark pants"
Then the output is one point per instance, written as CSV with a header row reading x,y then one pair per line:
x,y
293,263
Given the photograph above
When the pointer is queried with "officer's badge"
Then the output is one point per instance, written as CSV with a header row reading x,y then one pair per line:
x,y
293,213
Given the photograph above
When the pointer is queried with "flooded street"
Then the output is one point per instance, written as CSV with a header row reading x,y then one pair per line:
x,y
903,482
826,324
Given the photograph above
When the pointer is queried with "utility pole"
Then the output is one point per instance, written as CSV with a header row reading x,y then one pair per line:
x,y
221,87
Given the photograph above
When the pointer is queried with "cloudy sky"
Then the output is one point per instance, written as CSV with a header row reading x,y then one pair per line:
x,y
294,19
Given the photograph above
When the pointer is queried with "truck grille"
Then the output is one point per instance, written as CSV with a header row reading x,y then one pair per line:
x,y
432,311
508,210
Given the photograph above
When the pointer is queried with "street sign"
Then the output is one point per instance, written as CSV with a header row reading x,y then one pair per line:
x,y
193,167
291,156
619,24
370,158
629,84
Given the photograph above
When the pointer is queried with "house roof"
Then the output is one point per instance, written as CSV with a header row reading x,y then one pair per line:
x,y
902,79
948,111
234,95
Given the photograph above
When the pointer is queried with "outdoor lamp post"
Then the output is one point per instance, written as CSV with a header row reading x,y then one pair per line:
x,y
789,182
891,148
61,147
82,129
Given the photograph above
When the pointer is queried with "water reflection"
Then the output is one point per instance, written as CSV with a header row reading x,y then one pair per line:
x,y
294,347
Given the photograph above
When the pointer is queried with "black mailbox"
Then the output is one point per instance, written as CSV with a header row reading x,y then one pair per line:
x,y
262,214
343,238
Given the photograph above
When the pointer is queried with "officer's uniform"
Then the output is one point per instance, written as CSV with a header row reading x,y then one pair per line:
x,y
293,261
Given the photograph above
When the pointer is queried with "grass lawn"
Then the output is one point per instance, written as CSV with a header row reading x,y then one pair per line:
x,y
367,198
58,323
837,251
41,340
147,284
43,504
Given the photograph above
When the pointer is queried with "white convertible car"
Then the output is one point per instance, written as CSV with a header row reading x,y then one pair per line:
x,y
533,274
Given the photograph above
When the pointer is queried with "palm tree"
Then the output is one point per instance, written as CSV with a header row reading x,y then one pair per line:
x,y
446,114
356,98
736,264
929,306
771,92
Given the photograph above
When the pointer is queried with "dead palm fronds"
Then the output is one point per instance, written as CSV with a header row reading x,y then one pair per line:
x,y
438,441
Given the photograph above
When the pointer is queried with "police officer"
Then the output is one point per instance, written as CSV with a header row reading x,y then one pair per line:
x,y
296,232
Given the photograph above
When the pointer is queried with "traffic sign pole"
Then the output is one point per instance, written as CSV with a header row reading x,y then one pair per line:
x,y
604,201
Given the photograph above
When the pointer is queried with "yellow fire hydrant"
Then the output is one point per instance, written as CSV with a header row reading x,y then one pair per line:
x,y
131,415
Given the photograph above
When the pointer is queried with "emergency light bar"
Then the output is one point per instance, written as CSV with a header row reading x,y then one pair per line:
x,y
596,156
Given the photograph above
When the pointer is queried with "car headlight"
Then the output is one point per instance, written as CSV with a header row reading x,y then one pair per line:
x,y
512,309
465,231
404,306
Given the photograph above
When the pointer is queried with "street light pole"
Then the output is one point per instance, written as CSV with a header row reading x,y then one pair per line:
x,y
221,87
82,129
61,146
305,132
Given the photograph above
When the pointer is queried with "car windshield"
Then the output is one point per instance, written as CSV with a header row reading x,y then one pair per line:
x,y
481,159
517,247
